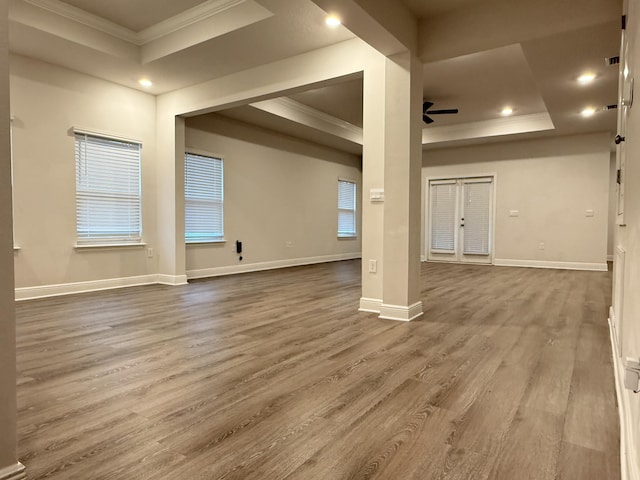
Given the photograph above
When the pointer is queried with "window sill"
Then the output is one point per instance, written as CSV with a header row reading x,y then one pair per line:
x,y
206,242
107,246
347,237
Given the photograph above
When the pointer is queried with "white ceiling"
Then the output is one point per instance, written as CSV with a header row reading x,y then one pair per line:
x,y
430,8
534,72
481,84
225,42
135,15
342,100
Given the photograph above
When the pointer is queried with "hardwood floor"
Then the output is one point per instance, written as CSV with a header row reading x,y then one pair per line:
x,y
275,375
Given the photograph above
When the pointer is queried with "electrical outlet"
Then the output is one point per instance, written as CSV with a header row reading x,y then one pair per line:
x,y
541,247
288,244
373,266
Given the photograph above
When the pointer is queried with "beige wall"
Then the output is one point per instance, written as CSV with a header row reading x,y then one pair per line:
x,y
551,182
46,102
277,189
8,454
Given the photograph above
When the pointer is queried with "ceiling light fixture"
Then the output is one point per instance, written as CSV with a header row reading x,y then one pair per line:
x,y
332,21
506,111
586,78
588,112
145,82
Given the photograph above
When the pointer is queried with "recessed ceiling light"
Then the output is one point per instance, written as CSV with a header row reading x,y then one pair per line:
x,y
586,78
332,21
588,112
506,111
145,82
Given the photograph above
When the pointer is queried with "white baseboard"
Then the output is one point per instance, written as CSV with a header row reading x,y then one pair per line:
x,y
13,472
629,457
28,293
257,267
400,312
171,279
598,267
371,305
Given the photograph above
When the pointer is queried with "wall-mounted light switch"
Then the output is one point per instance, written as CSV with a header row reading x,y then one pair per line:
x,y
376,195
632,374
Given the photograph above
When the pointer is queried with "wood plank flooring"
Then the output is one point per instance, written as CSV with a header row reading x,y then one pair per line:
x,y
275,375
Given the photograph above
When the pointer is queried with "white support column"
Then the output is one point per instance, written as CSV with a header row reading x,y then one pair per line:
x,y
10,468
392,156
373,178
403,158
170,197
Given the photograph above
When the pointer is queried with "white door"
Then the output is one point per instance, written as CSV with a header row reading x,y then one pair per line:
x,y
460,223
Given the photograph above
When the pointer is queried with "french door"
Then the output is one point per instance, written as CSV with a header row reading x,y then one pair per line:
x,y
460,224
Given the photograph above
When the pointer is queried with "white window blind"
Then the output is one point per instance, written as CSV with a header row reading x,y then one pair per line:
x,y
346,209
204,198
108,205
443,215
477,208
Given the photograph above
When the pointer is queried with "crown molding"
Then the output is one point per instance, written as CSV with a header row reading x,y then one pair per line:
x,y
301,113
534,122
182,20
325,117
87,19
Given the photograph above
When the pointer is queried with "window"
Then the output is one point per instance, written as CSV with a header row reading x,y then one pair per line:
x,y
203,198
108,205
346,208
443,215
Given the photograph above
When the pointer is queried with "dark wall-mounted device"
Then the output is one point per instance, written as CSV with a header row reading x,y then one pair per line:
x,y
239,249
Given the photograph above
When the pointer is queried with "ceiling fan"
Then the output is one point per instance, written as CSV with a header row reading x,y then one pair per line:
x,y
426,112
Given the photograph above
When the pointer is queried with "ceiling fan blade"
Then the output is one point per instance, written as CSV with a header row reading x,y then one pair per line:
x,y
426,106
427,119
442,112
